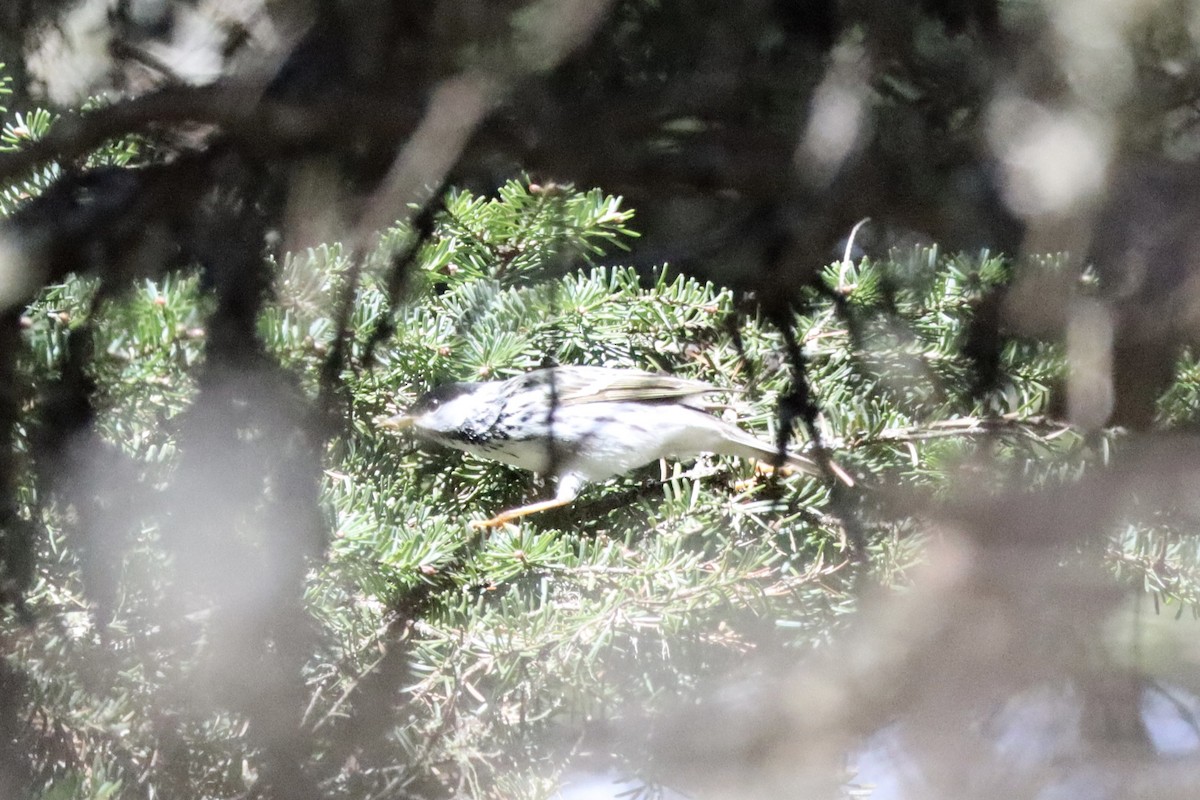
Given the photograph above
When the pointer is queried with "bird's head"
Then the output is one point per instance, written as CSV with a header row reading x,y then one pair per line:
x,y
444,411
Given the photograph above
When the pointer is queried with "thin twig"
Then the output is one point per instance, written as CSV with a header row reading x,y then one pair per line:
x,y
967,426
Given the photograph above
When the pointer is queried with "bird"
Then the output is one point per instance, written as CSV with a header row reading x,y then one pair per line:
x,y
580,424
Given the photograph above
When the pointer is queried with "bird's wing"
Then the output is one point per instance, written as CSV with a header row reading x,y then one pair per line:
x,y
580,385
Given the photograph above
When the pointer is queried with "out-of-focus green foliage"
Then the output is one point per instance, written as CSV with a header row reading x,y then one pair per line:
x,y
617,606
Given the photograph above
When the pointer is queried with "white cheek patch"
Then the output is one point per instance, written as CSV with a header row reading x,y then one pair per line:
x,y
456,412
452,415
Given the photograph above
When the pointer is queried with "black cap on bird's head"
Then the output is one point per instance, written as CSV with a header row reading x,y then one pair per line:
x,y
428,403
440,395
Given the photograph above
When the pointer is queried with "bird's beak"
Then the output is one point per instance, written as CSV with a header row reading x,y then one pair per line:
x,y
399,422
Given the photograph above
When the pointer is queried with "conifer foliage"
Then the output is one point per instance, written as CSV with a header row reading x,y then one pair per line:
x,y
433,660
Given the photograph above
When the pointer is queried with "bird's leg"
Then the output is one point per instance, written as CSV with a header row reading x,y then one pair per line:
x,y
517,513
568,489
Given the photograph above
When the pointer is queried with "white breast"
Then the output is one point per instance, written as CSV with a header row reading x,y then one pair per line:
x,y
598,440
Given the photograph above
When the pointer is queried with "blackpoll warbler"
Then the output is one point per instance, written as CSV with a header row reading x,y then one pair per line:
x,y
581,424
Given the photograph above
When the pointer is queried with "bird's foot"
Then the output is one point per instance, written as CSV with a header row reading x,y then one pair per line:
x,y
762,471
